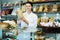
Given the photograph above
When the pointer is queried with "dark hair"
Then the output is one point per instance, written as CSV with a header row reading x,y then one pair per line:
x,y
29,3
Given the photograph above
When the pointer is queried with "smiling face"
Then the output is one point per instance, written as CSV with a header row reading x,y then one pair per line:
x,y
28,7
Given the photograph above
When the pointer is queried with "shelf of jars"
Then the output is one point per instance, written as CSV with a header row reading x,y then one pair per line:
x,y
49,24
9,4
39,7
46,8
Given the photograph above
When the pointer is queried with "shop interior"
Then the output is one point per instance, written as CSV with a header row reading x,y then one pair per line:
x,y
48,12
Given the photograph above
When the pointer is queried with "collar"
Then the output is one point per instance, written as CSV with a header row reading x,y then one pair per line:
x,y
28,13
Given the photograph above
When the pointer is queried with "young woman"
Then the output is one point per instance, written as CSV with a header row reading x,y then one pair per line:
x,y
29,22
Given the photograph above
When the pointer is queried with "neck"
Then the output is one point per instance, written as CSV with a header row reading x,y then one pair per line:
x,y
28,11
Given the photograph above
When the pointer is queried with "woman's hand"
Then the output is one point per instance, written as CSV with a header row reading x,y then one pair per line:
x,y
21,16
25,20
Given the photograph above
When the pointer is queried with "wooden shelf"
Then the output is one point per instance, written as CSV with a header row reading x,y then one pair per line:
x,y
46,2
43,2
46,12
8,6
8,17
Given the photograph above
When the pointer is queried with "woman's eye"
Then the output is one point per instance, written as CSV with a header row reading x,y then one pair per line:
x,y
27,6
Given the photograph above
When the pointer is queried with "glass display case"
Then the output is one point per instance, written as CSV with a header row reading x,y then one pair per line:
x,y
7,20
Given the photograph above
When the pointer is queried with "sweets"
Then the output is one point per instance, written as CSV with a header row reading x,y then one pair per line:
x,y
19,13
55,8
45,8
41,8
31,0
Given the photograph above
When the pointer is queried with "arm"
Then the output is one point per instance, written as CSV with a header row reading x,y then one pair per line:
x,y
32,22
21,16
25,20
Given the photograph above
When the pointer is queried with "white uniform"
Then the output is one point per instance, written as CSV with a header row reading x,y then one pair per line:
x,y
32,20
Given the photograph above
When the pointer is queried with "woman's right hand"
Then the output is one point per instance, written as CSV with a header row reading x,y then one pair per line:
x,y
20,14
